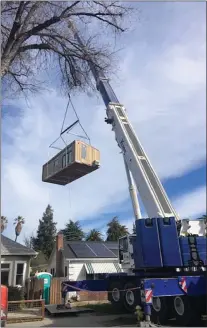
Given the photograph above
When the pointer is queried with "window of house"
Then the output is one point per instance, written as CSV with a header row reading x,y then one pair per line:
x,y
19,274
69,156
56,163
64,161
66,271
83,151
5,274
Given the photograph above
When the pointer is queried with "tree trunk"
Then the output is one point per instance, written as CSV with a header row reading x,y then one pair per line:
x,y
2,227
5,63
18,229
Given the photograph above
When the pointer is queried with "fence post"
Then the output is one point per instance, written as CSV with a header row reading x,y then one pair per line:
x,y
43,309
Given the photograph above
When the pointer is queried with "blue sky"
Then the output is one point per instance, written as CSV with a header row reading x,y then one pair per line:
x,y
161,81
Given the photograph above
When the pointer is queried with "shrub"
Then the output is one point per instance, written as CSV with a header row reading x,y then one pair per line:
x,y
15,294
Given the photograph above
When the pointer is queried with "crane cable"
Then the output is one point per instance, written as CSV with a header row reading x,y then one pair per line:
x,y
60,136
87,137
77,117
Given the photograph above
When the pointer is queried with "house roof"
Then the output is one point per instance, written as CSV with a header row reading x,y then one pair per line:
x,y
11,247
90,249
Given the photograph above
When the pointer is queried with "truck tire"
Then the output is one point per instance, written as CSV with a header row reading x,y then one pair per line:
x,y
186,311
131,297
115,295
159,310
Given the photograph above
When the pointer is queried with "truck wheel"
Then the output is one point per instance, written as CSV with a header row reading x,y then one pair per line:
x,y
115,294
159,310
131,297
182,310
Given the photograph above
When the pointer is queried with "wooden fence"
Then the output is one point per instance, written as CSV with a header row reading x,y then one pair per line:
x,y
56,295
55,290
33,288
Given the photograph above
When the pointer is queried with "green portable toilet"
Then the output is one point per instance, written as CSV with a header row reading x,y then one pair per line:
x,y
47,283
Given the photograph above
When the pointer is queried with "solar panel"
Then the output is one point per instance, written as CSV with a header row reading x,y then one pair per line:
x,y
82,250
111,245
101,250
116,252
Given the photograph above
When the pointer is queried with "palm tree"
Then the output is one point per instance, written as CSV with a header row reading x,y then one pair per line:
x,y
19,221
94,235
204,217
116,230
4,223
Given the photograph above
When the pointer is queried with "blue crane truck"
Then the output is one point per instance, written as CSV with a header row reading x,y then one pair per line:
x,y
163,272
169,278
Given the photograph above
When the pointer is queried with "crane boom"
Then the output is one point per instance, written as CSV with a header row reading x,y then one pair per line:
x,y
152,193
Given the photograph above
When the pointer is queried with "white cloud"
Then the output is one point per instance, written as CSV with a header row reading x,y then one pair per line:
x,y
190,205
165,100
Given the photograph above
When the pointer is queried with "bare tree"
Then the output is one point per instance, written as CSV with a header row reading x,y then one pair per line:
x,y
28,241
36,36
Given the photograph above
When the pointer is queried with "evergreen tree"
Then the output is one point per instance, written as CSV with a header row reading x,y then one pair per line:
x,y
73,231
115,230
94,235
46,233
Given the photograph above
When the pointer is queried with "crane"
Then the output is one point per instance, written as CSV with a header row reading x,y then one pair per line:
x,y
162,272
140,174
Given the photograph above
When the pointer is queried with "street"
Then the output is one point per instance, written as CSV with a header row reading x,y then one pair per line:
x,y
83,320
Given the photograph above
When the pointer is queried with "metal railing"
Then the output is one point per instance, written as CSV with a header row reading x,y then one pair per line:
x,y
25,310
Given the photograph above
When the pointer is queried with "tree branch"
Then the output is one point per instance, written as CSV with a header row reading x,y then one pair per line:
x,y
68,8
34,32
16,80
56,19
49,22
16,26
38,46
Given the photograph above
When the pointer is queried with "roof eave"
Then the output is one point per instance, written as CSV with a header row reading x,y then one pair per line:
x,y
20,254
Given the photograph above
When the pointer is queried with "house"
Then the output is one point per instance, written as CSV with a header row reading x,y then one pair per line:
x,y
81,260
15,262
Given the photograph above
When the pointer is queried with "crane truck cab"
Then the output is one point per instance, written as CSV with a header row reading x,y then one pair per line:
x,y
126,252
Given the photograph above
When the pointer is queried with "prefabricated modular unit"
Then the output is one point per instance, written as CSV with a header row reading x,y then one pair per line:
x,y
71,163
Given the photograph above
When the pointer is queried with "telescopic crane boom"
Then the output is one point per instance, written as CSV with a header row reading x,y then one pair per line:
x,y
138,166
